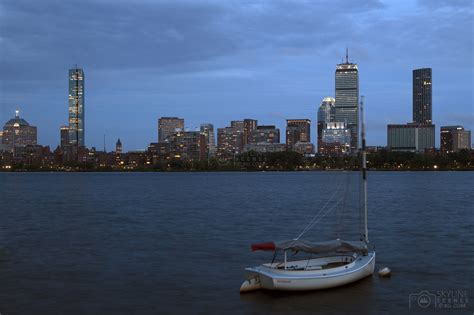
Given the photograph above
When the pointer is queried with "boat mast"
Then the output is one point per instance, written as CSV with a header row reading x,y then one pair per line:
x,y
364,169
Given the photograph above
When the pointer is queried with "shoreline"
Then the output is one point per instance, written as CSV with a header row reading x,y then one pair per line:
x,y
226,171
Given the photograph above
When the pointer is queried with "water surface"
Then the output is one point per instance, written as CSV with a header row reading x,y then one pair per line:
x,y
130,243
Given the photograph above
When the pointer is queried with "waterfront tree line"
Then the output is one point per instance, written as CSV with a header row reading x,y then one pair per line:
x,y
252,161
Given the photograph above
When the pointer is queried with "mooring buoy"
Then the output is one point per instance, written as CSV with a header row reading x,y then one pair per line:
x,y
385,272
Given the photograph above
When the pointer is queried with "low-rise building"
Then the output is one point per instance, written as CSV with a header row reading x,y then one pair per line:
x,y
454,138
182,145
305,148
265,147
411,137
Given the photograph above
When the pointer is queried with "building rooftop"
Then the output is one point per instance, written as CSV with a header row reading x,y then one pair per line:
x,y
16,121
452,128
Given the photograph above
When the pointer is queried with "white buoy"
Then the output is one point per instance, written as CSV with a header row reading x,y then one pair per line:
x,y
385,272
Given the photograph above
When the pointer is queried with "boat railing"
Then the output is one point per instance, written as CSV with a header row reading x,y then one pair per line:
x,y
303,263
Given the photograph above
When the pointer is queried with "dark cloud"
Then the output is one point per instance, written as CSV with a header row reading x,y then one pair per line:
x,y
163,35
109,34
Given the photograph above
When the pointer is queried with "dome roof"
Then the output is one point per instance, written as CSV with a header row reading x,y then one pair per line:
x,y
329,99
16,122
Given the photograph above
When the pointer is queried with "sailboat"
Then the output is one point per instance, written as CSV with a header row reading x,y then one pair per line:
x,y
330,264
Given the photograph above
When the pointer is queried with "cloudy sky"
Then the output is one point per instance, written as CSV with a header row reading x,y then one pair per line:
x,y
216,61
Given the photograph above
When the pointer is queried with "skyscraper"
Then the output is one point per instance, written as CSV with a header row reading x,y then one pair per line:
x,y
17,132
326,113
347,98
249,126
422,102
418,135
76,107
239,129
169,125
64,136
297,130
208,131
230,140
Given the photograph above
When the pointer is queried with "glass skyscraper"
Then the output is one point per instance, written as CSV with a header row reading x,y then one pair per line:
x,y
422,103
76,107
208,131
347,98
326,113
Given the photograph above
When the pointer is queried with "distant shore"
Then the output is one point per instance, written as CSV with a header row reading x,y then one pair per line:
x,y
382,160
221,171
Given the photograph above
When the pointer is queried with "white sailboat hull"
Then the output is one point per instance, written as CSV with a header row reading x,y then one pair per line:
x,y
270,278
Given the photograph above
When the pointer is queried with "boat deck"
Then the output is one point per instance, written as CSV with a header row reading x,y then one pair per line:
x,y
334,265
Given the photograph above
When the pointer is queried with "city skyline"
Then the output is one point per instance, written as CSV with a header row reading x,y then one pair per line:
x,y
280,71
346,81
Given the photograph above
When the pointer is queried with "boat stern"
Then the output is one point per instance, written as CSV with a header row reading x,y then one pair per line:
x,y
252,281
251,284
256,279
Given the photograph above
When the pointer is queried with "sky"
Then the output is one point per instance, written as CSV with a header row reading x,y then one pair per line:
x,y
217,61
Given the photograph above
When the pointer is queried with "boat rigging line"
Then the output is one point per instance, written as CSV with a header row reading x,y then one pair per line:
x,y
318,218
336,191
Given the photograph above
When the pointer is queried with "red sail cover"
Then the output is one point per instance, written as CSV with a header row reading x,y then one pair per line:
x,y
263,246
337,246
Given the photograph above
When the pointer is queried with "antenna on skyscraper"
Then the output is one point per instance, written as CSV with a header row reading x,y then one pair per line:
x,y
104,144
347,54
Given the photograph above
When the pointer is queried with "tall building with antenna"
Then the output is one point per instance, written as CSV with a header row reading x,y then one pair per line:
x,y
76,107
347,98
